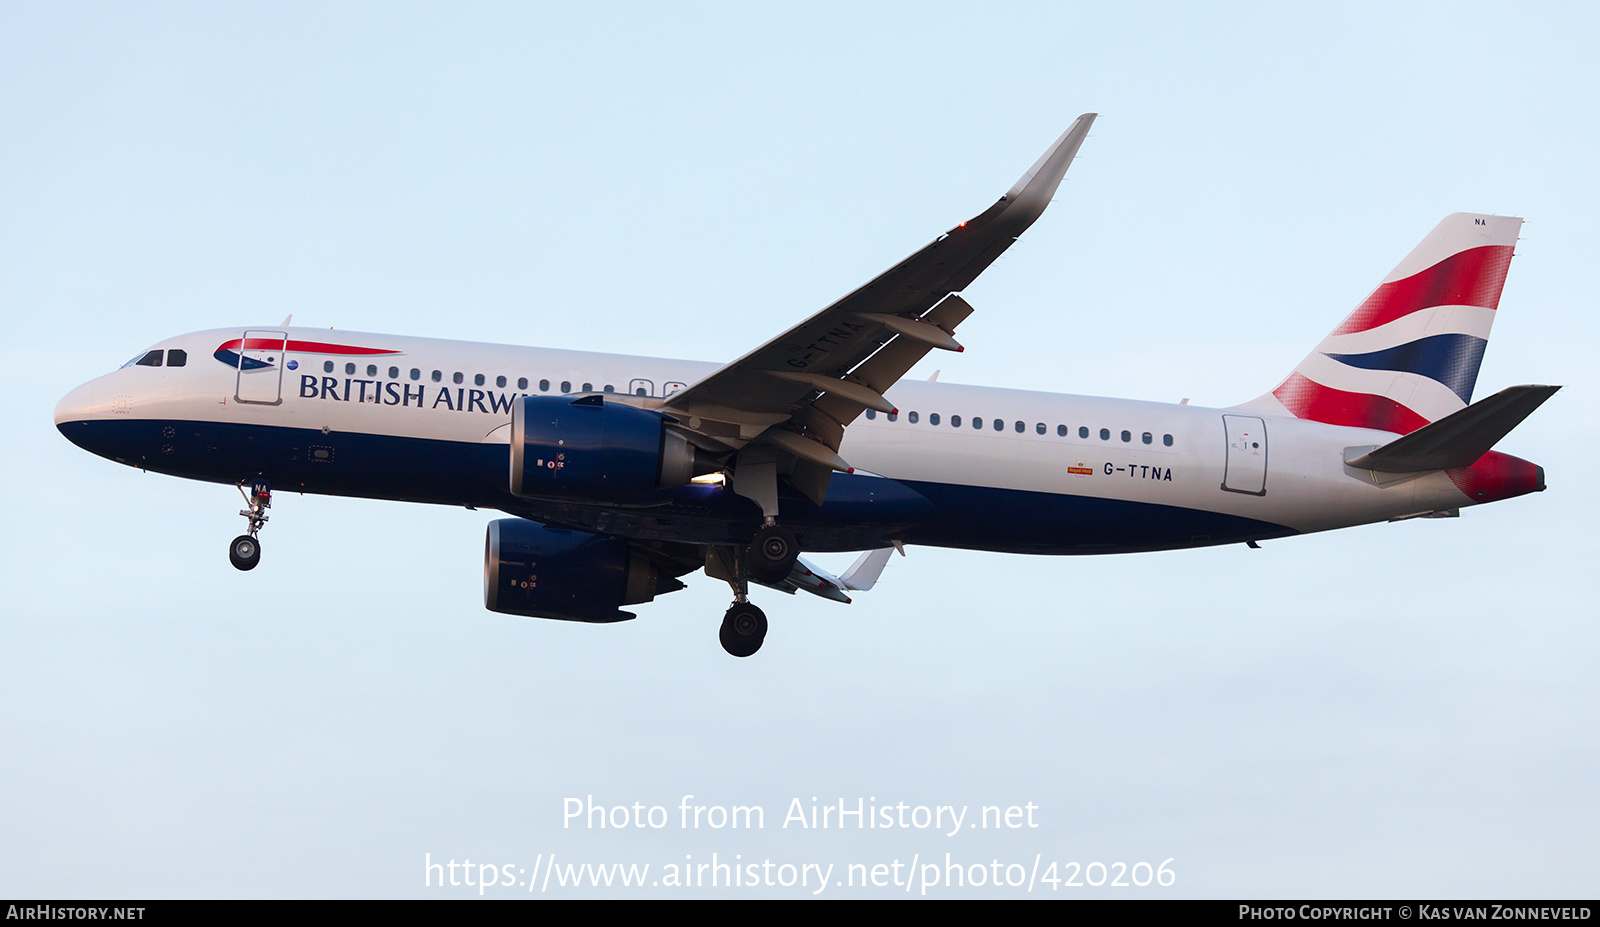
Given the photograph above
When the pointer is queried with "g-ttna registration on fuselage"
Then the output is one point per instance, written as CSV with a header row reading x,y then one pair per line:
x,y
622,474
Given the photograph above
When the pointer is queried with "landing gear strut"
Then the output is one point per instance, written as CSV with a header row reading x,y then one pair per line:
x,y
245,551
744,627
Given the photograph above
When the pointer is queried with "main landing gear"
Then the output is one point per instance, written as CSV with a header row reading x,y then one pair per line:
x,y
245,551
773,552
744,627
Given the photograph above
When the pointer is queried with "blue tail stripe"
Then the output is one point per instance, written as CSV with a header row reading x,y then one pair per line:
x,y
1451,359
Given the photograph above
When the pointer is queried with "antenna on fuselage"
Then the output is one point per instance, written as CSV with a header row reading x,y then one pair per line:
x,y
286,320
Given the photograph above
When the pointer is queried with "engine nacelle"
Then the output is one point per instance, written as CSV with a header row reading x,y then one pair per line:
x,y
590,450
540,572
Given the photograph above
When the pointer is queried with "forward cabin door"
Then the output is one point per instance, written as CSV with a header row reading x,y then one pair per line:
x,y
260,375
1246,467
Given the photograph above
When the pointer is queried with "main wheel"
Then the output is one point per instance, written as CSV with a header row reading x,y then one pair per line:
x,y
744,627
772,554
245,552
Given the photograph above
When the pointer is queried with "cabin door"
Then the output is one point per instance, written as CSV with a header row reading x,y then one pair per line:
x,y
1246,467
260,376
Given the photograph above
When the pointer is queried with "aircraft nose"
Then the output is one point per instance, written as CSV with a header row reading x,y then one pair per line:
x,y
76,405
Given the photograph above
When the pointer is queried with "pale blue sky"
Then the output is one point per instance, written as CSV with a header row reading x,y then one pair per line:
x,y
1397,710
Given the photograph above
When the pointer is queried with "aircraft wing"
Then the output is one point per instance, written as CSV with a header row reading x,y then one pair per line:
x,y
798,391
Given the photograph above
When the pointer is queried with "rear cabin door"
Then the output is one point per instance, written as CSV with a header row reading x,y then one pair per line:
x,y
1246,467
260,375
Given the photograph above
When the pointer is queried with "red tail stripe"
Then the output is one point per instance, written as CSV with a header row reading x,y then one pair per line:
x,y
1311,400
304,347
1467,278
1496,476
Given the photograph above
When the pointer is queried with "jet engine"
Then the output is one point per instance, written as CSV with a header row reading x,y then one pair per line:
x,y
536,571
594,451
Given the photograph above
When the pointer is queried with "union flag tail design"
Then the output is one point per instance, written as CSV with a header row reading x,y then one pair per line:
x,y
1409,354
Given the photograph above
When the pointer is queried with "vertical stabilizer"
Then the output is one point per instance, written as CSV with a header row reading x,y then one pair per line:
x,y
1409,354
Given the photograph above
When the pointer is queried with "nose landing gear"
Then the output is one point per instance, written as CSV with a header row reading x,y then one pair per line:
x,y
245,551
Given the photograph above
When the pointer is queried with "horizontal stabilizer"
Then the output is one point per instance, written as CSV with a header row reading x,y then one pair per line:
x,y
1458,439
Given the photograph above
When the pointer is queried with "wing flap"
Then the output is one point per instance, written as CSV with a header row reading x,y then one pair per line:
x,y
835,341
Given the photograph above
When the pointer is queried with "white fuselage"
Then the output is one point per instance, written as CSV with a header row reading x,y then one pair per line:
x,y
460,393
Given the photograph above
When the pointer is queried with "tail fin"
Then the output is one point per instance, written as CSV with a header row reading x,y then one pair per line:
x,y
1409,354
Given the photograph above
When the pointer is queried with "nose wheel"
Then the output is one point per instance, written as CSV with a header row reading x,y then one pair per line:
x,y
245,551
744,627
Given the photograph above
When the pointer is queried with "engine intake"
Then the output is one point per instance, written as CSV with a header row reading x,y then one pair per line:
x,y
590,450
536,571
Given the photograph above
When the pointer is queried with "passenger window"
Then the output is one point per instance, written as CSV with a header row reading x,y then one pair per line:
x,y
1061,431
372,370
1167,440
1147,437
977,422
500,382
1083,431
1105,434
933,418
349,370
871,414
1021,428
544,385
177,357
912,418
566,386
458,377
955,421
1039,428
610,388
327,366
1127,436
1000,425
394,373
438,375
477,380
588,387
894,416
416,374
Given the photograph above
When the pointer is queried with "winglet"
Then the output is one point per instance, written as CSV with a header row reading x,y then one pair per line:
x,y
864,573
1038,185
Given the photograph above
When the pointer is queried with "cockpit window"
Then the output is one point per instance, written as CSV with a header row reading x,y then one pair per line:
x,y
177,357
151,359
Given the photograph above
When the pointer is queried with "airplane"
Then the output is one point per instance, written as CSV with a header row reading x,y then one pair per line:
x,y
621,474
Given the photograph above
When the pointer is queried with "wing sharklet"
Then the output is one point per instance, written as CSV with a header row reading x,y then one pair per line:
x,y
864,573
